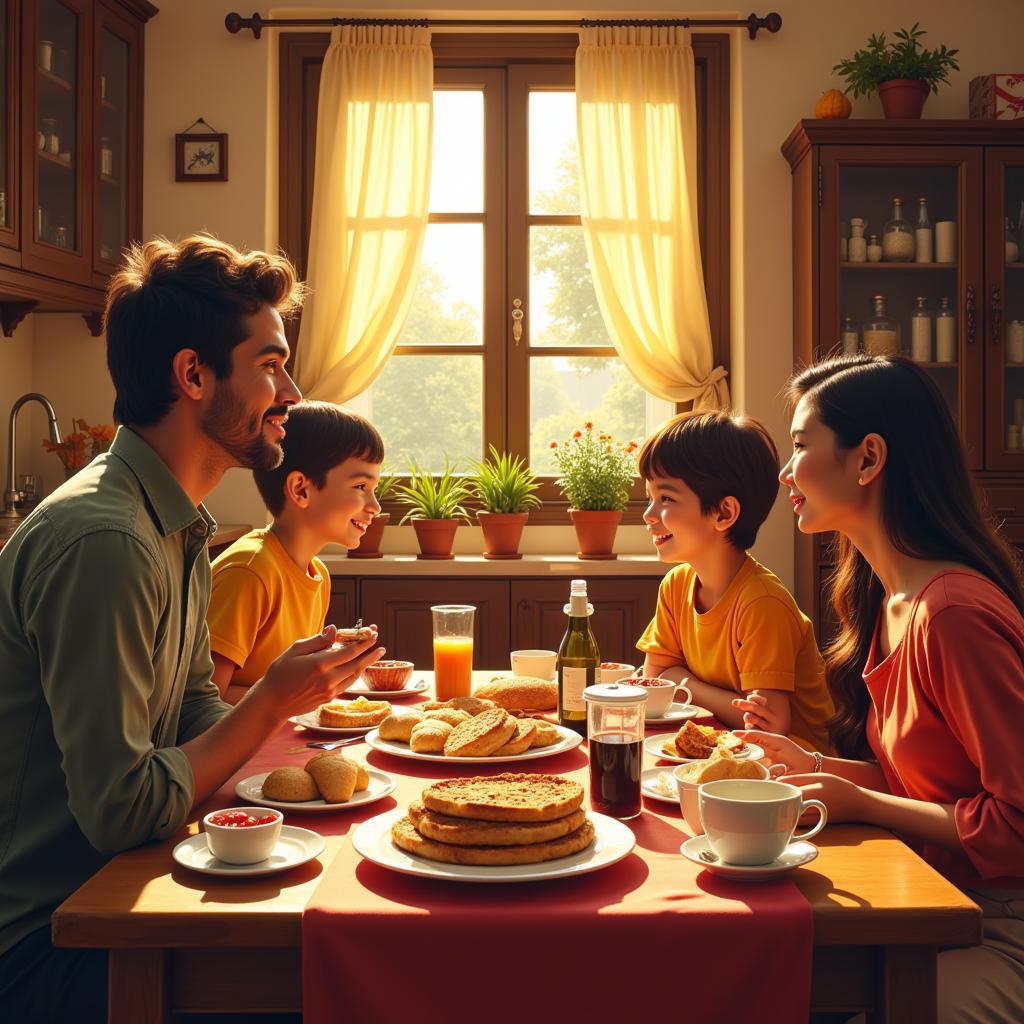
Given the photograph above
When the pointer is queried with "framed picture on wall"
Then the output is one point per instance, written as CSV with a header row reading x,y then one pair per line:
x,y
201,157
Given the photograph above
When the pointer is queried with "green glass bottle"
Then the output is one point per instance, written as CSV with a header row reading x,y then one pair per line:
x,y
578,658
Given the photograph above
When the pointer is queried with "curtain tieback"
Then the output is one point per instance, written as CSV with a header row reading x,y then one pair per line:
x,y
710,393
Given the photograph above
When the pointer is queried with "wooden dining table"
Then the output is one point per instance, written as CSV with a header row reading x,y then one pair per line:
x,y
186,942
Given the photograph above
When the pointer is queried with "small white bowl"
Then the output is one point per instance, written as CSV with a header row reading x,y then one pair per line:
x,y
615,672
689,803
660,694
247,844
539,664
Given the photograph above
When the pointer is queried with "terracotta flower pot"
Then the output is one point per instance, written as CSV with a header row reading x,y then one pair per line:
x,y
903,98
595,532
369,544
502,532
436,537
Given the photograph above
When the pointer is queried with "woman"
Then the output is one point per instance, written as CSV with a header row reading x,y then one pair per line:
x,y
927,672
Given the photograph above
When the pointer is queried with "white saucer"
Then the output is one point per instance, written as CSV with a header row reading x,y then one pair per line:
x,y
360,689
295,847
649,776
794,856
653,746
250,791
676,713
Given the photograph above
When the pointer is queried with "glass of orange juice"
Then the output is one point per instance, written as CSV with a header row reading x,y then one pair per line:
x,y
453,649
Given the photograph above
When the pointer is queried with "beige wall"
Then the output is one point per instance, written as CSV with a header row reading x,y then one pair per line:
x,y
194,67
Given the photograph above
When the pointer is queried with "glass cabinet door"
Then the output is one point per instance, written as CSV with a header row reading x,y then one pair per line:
x,y
901,265
8,36
1004,326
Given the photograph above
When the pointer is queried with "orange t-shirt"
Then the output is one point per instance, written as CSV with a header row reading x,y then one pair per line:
x,y
947,722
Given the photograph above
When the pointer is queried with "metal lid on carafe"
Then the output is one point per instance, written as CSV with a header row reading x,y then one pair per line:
x,y
614,693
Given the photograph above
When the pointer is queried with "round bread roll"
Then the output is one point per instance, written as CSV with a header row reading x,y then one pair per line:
x,y
520,693
481,735
362,777
450,715
520,741
399,726
352,714
335,777
471,705
428,736
291,785
544,735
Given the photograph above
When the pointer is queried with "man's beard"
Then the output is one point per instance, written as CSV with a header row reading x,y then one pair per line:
x,y
239,432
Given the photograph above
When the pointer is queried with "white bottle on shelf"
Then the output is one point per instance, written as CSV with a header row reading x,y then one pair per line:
x,y
922,234
921,332
945,333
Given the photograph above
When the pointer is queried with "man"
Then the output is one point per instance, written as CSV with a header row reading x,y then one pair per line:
x,y
111,730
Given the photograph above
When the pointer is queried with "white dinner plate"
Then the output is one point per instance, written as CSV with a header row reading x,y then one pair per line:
x,y
295,847
360,688
568,741
250,790
794,856
676,714
653,746
309,721
648,779
613,841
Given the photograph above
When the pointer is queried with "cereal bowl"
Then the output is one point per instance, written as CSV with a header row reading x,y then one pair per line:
x,y
660,694
387,675
613,671
242,835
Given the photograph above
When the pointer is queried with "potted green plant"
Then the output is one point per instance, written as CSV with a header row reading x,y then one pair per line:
x,y
503,485
596,474
369,543
902,72
435,508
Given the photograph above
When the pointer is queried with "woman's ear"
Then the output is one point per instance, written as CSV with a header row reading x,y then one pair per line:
x,y
297,488
187,372
727,513
873,453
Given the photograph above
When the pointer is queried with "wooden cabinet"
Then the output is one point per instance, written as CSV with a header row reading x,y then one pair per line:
x,y
72,141
971,174
512,613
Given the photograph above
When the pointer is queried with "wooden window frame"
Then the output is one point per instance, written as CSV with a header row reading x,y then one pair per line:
x,y
481,59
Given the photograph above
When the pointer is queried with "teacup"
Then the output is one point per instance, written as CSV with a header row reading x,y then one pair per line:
x,y
540,664
748,821
688,795
660,694
614,671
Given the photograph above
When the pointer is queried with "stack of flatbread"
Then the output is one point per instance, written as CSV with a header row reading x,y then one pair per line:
x,y
495,821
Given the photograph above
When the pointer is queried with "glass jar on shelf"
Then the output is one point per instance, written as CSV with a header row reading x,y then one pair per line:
x,y
874,250
844,248
923,234
106,157
921,331
945,333
849,336
897,237
881,331
857,245
1012,246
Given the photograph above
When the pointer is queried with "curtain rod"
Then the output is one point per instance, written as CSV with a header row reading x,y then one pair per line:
x,y
235,23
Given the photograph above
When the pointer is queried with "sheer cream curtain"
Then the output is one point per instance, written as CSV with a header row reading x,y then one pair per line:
x,y
636,121
371,195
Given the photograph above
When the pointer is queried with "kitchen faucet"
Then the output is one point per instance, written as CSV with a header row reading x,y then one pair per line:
x,y
12,515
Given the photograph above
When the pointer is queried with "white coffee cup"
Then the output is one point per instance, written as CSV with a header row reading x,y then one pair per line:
x,y
688,796
661,693
748,821
617,671
539,664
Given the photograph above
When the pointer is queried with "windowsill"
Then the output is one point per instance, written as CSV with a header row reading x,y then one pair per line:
x,y
477,565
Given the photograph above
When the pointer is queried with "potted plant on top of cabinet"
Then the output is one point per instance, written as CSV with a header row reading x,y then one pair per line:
x,y
902,73
435,508
504,486
596,473
369,543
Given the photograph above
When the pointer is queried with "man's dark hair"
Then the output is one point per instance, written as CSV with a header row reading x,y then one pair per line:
x,y
319,436
718,455
190,294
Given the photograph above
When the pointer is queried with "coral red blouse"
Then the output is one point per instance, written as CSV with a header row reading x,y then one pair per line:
x,y
947,722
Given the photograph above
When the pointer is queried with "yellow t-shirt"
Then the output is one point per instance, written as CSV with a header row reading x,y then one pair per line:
x,y
262,602
755,637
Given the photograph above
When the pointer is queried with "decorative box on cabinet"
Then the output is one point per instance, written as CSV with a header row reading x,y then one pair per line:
x,y
971,173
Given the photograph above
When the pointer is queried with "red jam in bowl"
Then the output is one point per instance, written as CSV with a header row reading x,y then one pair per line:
x,y
239,819
651,684
613,664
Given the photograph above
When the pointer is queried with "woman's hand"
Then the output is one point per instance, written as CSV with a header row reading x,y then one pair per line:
x,y
845,800
779,749
760,713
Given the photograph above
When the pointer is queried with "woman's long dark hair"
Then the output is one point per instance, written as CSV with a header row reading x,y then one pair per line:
x,y
929,507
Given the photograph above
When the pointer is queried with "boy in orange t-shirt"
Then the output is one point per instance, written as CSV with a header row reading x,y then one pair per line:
x,y
725,625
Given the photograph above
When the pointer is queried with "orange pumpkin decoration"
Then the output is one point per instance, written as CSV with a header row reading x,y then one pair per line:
x,y
833,104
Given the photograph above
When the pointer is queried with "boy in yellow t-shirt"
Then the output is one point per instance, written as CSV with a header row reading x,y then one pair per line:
x,y
269,588
725,625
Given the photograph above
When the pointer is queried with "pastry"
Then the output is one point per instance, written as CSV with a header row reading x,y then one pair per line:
x,y
720,765
520,693
544,734
506,797
450,715
428,736
351,714
291,785
520,740
465,832
335,777
398,726
481,735
471,705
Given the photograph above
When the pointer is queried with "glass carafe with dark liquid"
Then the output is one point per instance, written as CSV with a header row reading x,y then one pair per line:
x,y
615,730
578,658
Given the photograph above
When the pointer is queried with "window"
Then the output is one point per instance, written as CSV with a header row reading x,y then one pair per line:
x,y
504,234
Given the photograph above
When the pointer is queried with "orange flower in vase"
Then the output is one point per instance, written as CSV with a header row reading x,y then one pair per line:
x,y
79,448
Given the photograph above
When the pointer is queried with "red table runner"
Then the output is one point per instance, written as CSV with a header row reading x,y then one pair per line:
x,y
651,935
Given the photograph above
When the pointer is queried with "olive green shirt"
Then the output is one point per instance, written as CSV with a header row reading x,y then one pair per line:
x,y
105,670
